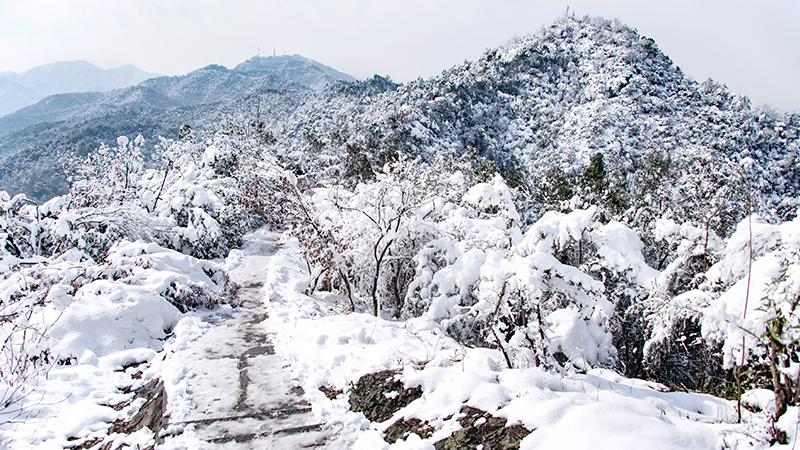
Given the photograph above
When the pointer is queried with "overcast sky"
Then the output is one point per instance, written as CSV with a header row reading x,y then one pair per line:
x,y
752,46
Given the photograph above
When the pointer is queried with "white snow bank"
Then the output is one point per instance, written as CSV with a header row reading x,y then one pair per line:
x,y
618,424
107,317
160,269
75,402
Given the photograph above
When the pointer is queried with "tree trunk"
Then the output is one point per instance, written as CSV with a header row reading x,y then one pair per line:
x,y
378,261
161,189
349,290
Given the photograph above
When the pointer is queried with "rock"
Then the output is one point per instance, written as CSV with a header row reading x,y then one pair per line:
x,y
330,392
150,415
379,395
401,429
482,430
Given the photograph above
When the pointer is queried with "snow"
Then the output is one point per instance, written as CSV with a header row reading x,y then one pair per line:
x,y
618,424
754,291
600,409
72,404
108,317
621,250
110,325
495,194
515,323
508,299
101,330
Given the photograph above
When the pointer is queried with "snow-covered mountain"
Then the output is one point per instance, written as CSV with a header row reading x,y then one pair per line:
x,y
544,105
548,101
206,85
300,70
62,77
79,122
79,76
216,83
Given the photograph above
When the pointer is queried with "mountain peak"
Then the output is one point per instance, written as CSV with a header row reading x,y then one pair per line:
x,y
80,64
314,74
261,63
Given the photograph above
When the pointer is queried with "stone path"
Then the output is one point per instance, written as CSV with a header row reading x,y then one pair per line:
x,y
242,394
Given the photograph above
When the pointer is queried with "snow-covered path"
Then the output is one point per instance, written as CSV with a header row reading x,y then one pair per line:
x,y
233,391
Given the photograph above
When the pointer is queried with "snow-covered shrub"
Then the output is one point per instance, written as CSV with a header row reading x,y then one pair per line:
x,y
448,268
380,226
140,291
184,281
91,273
673,350
184,198
70,308
362,242
195,195
109,175
23,356
754,295
490,285
378,217
708,194
20,230
96,230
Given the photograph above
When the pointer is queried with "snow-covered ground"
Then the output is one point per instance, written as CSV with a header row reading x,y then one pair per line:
x,y
248,363
597,410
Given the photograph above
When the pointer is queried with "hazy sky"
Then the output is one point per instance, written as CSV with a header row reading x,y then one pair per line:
x,y
753,46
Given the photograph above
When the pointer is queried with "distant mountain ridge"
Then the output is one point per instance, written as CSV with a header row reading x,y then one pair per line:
x,y
18,90
31,138
14,96
209,84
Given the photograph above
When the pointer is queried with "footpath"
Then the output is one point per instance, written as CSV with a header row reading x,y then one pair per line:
x,y
235,392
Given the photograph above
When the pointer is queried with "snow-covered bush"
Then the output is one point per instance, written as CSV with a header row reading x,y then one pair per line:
x,y
673,349
403,242
754,295
184,281
23,357
490,285
384,227
109,175
97,271
361,242
70,308
20,230
195,195
186,197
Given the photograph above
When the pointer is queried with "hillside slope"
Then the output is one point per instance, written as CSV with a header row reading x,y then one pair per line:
x,y
555,99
